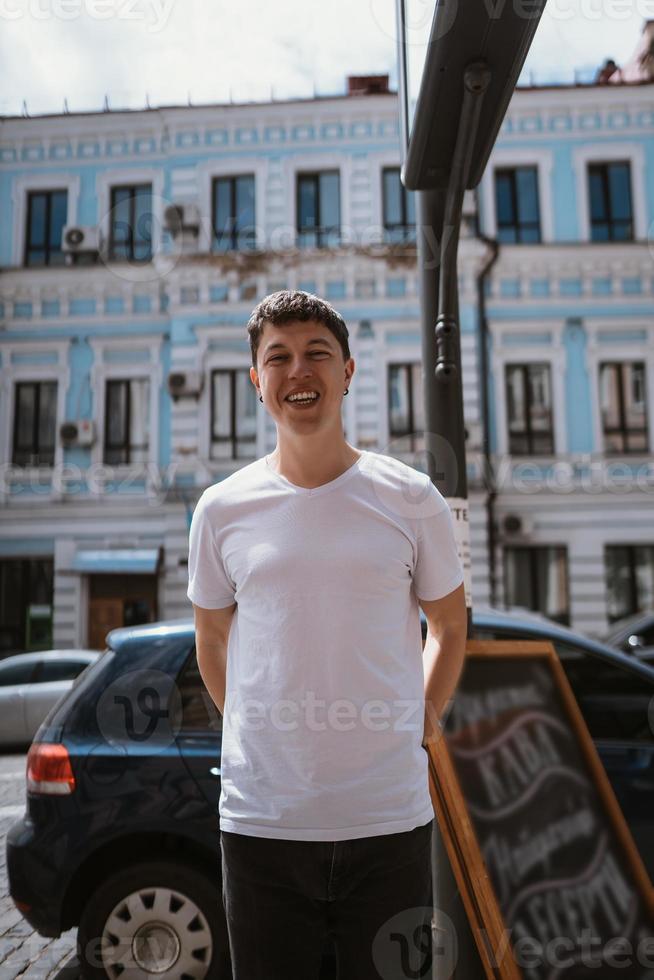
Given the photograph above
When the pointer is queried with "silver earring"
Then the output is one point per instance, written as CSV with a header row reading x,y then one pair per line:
x,y
346,391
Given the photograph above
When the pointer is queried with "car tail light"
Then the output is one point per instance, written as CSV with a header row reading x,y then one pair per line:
x,y
49,770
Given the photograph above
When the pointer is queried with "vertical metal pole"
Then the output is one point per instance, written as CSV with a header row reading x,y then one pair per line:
x,y
445,452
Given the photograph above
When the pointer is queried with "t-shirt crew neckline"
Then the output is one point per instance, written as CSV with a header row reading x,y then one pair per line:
x,y
324,487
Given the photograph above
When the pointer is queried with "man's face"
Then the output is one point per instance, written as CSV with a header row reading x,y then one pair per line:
x,y
301,357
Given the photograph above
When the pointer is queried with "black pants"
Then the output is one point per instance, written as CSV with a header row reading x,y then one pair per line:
x,y
283,900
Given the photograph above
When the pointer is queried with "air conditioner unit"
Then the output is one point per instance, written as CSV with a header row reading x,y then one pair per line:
x,y
182,219
516,525
77,433
77,239
185,384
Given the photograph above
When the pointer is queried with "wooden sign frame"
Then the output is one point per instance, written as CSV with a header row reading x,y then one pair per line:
x,y
479,899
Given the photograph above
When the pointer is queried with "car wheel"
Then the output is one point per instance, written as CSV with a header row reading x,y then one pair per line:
x,y
158,919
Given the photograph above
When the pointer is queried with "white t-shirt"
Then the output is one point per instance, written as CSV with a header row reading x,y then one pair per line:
x,y
324,706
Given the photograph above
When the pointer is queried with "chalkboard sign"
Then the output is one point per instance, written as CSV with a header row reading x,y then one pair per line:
x,y
552,882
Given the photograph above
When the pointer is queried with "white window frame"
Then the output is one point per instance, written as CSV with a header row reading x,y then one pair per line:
x,y
625,352
21,187
212,360
317,163
235,167
102,372
11,375
107,180
543,161
404,353
634,154
553,354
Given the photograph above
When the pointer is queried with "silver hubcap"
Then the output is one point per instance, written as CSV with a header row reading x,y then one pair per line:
x,y
157,932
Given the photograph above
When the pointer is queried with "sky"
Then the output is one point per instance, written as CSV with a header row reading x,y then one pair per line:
x,y
170,51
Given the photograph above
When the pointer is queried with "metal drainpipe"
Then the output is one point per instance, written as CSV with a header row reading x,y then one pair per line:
x,y
489,475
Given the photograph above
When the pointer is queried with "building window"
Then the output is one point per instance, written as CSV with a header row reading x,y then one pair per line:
x,y
26,589
233,213
127,421
35,421
130,230
406,420
536,578
611,218
623,407
399,208
233,415
629,579
516,203
318,209
46,217
529,409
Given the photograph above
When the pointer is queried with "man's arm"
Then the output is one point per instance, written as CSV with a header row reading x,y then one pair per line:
x,y
211,635
443,655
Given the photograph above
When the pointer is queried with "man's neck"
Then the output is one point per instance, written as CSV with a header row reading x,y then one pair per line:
x,y
312,465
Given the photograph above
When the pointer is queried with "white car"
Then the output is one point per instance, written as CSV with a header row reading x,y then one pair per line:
x,y
30,684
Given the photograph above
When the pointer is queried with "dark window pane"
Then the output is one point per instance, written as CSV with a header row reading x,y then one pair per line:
x,y
527,194
330,214
307,203
620,191
609,188
59,670
234,212
58,216
46,217
233,415
516,201
598,203
131,223
536,578
392,198
15,673
623,406
529,408
199,713
504,199
38,231
244,211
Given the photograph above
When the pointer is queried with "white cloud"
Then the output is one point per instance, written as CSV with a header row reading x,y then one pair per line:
x,y
211,49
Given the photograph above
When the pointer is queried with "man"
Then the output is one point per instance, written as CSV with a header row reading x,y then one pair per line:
x,y
306,568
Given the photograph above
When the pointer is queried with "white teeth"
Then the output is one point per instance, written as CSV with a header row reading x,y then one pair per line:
x,y
302,396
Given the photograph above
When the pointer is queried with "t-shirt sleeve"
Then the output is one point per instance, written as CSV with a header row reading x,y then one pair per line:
x,y
209,585
438,569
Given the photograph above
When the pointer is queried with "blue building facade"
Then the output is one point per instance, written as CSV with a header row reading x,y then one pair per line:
x,y
133,246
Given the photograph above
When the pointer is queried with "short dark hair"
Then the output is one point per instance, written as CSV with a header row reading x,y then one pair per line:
x,y
293,304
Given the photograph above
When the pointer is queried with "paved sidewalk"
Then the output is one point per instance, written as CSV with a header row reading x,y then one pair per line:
x,y
23,953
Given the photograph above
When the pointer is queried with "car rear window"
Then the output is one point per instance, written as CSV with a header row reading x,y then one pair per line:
x,y
59,670
199,713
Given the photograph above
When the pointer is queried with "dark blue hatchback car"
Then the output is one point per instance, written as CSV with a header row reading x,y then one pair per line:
x,y
121,836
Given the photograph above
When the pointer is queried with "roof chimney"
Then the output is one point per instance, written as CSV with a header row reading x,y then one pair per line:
x,y
367,84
